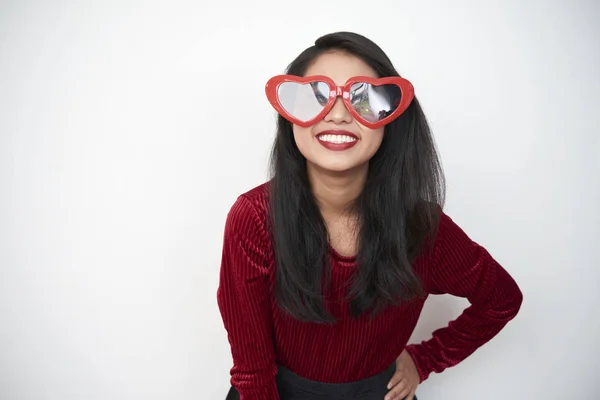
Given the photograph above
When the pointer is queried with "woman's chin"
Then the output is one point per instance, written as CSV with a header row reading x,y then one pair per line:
x,y
336,166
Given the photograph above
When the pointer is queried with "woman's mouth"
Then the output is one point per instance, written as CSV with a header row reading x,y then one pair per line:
x,y
337,140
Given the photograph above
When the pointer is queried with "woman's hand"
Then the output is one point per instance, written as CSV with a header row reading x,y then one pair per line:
x,y
403,384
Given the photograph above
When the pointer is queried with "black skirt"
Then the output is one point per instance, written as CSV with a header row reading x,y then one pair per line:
x,y
294,387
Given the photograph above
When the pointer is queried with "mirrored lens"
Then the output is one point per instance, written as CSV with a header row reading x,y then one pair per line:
x,y
374,103
303,101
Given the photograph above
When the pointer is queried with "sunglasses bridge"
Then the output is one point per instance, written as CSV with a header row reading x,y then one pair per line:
x,y
339,91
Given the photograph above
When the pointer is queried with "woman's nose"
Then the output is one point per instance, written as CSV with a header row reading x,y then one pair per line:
x,y
339,113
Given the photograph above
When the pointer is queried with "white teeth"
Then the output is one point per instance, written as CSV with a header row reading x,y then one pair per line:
x,y
337,138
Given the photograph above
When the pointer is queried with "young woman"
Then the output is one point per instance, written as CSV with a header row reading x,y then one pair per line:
x,y
327,266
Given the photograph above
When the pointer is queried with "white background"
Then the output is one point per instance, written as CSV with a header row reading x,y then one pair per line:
x,y
127,129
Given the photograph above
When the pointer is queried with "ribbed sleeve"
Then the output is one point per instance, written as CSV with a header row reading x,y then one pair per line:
x,y
461,267
243,299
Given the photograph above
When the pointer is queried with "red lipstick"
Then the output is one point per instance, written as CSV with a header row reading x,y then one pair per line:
x,y
345,145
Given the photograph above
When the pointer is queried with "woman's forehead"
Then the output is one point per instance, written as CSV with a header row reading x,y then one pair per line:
x,y
340,67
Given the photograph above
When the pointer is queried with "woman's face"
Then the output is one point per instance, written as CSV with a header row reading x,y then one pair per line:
x,y
338,143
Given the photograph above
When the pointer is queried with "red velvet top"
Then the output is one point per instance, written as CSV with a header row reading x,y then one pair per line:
x,y
261,336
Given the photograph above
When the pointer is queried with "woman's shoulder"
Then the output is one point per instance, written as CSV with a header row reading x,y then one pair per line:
x,y
249,210
258,196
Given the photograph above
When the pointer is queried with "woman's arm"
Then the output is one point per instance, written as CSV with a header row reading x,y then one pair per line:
x,y
243,298
463,268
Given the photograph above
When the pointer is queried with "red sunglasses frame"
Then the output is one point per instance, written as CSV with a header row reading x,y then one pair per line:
x,y
406,89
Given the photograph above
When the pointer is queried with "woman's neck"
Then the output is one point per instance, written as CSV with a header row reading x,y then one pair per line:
x,y
336,192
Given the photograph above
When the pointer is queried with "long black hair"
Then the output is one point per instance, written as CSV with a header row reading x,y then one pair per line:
x,y
396,211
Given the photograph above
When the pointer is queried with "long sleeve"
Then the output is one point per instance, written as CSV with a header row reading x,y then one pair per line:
x,y
461,267
244,302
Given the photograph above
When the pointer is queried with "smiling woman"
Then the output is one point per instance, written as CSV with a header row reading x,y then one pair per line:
x,y
327,266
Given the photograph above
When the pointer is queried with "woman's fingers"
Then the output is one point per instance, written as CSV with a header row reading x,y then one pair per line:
x,y
398,391
397,377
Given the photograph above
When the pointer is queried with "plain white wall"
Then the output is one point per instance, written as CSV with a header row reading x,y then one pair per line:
x,y
127,129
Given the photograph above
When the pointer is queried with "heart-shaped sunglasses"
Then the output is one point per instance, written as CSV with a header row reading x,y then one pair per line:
x,y
372,102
